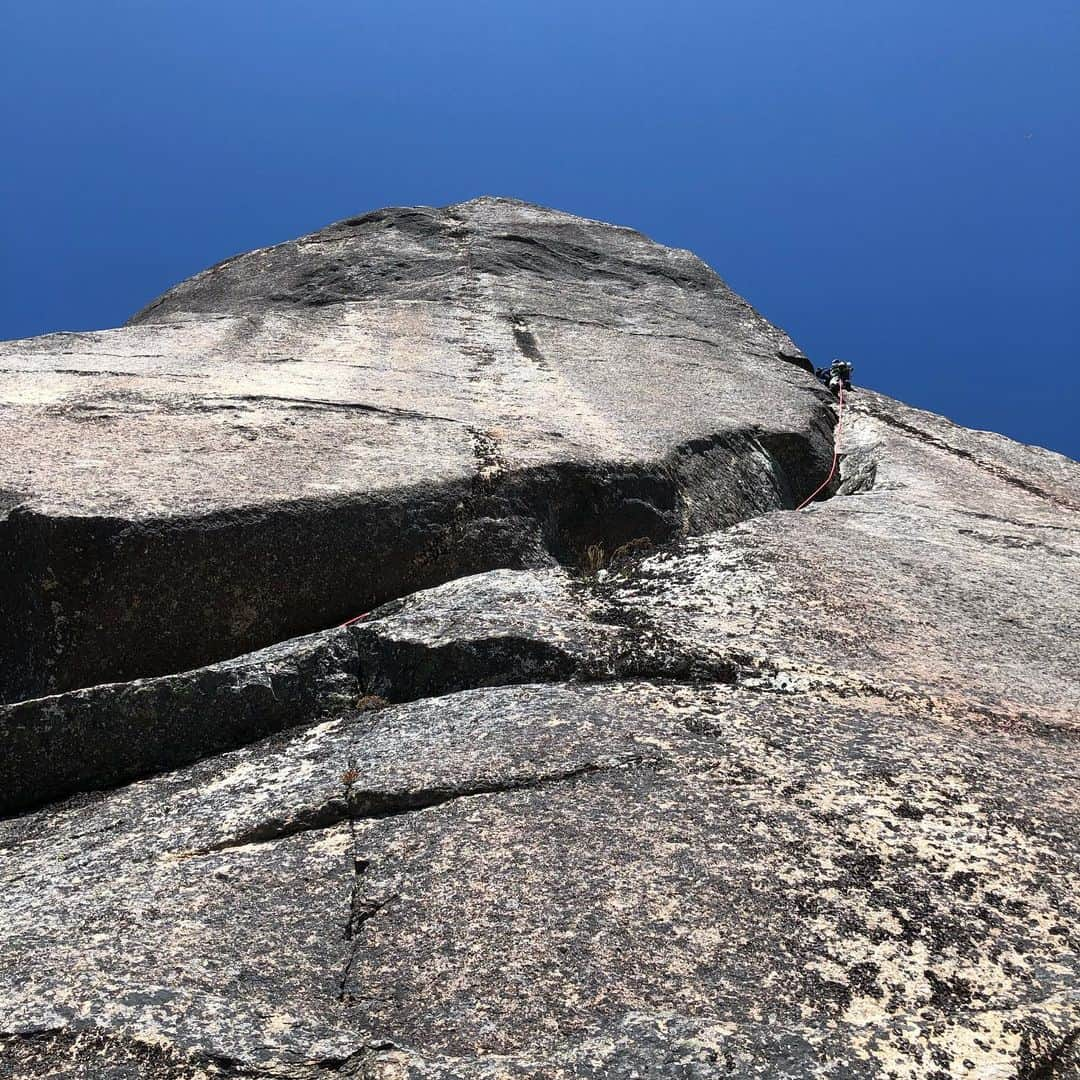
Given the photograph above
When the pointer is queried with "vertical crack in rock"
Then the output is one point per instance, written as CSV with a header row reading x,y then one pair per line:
x,y
361,909
526,341
359,912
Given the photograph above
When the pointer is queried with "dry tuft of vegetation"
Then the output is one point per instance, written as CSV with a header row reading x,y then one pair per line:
x,y
631,550
594,559
370,703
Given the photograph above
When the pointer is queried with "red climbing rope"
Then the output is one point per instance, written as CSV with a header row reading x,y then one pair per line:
x,y
832,468
810,498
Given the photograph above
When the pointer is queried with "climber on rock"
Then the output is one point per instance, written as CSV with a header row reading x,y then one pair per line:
x,y
837,376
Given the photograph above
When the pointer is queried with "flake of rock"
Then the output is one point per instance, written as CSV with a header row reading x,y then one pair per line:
x,y
488,629
956,575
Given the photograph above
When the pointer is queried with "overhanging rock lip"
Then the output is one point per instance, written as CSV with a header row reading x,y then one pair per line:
x,y
144,577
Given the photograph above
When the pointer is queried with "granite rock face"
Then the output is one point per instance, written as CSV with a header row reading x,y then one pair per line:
x,y
636,773
309,430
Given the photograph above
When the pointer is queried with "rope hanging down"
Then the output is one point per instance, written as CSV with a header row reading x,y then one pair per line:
x,y
835,456
805,502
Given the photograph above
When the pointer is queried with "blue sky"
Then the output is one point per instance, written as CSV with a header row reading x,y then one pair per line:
x,y
895,183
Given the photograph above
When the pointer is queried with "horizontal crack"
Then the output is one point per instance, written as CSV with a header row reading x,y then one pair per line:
x,y
376,805
320,404
301,569
1002,520
102,372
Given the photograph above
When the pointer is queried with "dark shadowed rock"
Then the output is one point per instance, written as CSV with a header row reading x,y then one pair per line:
x,y
309,430
774,794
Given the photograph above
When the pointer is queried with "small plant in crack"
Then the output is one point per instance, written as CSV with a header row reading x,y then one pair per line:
x,y
629,553
597,557
594,559
369,703
348,782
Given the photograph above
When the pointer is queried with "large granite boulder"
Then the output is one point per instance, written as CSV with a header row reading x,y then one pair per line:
x,y
306,431
630,771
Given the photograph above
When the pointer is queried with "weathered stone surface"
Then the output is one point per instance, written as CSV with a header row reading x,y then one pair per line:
x,y
485,630
401,399
776,878
789,796
956,576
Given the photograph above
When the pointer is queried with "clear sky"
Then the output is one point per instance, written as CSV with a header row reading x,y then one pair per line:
x,y
895,182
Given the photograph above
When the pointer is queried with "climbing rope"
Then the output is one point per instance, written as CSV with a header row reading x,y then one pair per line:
x,y
835,456
810,498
